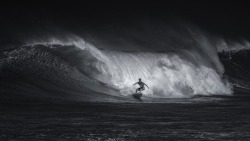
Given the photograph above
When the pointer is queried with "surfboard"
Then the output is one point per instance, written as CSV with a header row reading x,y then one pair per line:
x,y
137,95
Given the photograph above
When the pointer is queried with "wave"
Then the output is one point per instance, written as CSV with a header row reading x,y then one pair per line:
x,y
236,63
80,66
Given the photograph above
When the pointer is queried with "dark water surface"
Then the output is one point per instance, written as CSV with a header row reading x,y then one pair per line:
x,y
226,118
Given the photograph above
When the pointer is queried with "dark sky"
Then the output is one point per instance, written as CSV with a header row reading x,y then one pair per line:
x,y
225,18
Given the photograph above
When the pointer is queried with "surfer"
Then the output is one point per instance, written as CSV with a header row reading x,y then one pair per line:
x,y
141,84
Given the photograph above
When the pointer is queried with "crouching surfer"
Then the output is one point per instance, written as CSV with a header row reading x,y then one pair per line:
x,y
141,84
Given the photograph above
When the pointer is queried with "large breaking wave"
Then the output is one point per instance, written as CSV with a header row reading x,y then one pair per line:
x,y
83,69
169,74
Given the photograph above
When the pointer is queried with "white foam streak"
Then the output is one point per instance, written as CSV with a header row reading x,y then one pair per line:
x,y
232,46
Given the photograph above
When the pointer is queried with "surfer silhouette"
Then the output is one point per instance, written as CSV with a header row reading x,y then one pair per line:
x,y
141,84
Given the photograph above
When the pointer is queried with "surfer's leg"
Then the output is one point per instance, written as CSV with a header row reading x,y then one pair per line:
x,y
138,89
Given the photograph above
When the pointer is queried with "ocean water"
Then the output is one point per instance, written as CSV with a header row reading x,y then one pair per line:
x,y
74,90
201,118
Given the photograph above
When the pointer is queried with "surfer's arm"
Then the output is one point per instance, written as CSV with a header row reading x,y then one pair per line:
x,y
135,83
147,86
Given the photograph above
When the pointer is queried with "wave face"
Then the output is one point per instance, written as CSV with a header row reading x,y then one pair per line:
x,y
80,66
236,63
